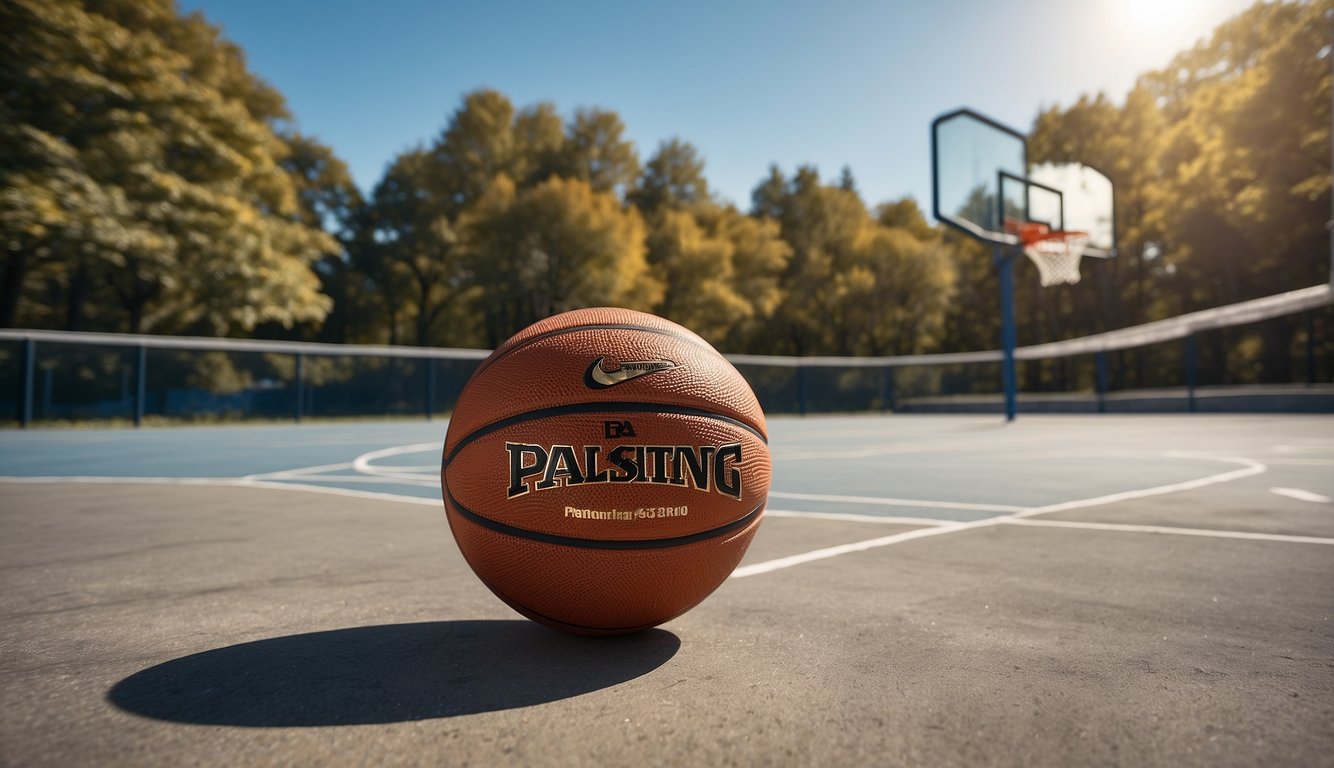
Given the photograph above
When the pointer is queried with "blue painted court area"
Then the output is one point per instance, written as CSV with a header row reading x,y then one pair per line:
x,y
960,468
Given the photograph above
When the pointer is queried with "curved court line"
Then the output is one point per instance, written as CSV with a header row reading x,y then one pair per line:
x,y
1251,467
363,462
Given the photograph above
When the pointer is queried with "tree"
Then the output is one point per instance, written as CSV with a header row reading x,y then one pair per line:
x,y
594,152
673,178
1221,165
852,285
557,246
141,169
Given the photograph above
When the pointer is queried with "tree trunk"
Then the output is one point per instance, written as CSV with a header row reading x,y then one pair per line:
x,y
16,268
76,297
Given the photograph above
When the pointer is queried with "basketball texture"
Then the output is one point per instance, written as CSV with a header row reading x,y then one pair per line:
x,y
604,470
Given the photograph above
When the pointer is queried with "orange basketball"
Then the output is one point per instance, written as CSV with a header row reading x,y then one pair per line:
x,y
604,470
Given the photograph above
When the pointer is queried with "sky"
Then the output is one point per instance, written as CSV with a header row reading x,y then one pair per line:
x,y
749,83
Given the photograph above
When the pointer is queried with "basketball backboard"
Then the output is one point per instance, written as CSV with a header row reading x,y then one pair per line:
x,y
983,186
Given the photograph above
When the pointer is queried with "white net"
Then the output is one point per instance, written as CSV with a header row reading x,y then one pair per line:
x,y
1057,256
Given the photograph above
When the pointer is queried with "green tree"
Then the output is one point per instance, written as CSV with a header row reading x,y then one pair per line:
x,y
672,178
852,286
595,152
557,246
142,175
1222,169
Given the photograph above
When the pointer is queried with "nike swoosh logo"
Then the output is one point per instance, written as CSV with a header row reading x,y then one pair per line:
x,y
598,377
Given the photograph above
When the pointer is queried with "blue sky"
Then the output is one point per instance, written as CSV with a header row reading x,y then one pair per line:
x,y
749,83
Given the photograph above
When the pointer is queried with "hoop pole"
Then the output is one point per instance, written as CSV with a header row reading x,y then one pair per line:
x,y
1005,262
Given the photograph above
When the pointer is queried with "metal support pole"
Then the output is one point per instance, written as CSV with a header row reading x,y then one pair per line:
x,y
26,382
1310,347
430,388
888,395
300,386
801,389
1190,372
140,385
1100,368
1005,262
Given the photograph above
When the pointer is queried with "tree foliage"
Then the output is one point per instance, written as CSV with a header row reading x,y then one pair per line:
x,y
143,179
1221,162
151,182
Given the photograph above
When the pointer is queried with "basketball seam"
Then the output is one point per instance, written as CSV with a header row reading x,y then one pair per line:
x,y
619,544
596,407
487,363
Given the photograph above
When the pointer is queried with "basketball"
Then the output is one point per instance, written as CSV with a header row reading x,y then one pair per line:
x,y
604,471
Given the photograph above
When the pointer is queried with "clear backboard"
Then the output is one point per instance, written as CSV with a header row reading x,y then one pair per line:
x,y
983,185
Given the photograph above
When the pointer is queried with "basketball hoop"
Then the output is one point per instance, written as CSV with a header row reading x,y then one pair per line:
x,y
1055,252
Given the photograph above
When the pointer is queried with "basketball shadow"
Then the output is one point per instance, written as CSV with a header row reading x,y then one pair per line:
x,y
387,674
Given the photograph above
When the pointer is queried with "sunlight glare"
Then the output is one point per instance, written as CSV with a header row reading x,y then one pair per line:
x,y
1157,14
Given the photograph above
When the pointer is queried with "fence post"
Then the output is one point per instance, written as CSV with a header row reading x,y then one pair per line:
x,y
888,397
140,384
1310,346
26,382
1009,381
1100,367
1190,372
300,385
801,390
430,388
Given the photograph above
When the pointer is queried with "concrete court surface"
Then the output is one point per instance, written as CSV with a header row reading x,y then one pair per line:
x,y
924,591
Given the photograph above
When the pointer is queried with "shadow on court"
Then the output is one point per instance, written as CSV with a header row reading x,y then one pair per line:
x,y
387,674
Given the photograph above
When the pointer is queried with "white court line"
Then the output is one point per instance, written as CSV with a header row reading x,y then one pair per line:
x,y
853,518
37,479
767,566
226,482
930,528
1251,467
891,502
363,462
301,471
417,481
1213,534
1300,495
349,492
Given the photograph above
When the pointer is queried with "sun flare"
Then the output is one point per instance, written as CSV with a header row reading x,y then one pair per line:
x,y
1157,14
